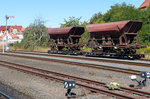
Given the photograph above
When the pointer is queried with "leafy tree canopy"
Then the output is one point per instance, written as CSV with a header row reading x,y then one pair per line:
x,y
72,21
35,35
97,18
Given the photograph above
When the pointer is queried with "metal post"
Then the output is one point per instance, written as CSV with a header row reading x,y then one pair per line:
x,y
6,34
3,42
7,17
68,92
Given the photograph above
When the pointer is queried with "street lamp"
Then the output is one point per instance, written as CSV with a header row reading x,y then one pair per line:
x,y
7,17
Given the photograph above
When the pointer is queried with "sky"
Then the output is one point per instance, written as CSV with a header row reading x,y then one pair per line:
x,y
53,12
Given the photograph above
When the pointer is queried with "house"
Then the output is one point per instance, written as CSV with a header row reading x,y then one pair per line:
x,y
15,33
11,38
144,4
11,29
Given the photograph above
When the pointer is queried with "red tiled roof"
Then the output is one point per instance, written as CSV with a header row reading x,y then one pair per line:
x,y
145,4
4,27
10,28
22,29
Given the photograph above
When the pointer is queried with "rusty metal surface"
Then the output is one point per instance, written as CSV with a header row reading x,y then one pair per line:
x,y
115,34
68,38
115,27
72,30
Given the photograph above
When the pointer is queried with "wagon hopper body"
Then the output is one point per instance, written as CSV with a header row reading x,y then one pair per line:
x,y
115,37
65,39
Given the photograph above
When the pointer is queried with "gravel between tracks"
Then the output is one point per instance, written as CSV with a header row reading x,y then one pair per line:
x,y
42,89
125,66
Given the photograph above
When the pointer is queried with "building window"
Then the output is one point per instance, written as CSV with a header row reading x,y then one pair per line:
x,y
15,31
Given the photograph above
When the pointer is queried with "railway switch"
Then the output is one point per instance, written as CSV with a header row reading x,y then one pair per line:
x,y
144,75
69,85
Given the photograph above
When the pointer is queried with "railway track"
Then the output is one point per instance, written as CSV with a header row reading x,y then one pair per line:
x,y
93,86
101,67
143,60
4,96
129,62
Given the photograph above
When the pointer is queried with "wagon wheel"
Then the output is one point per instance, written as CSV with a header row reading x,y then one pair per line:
x,y
133,50
92,44
53,46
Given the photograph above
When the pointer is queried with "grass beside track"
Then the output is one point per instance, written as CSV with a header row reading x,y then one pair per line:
x,y
38,49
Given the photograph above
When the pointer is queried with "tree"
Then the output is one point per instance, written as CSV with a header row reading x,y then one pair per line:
x,y
72,21
146,15
145,31
145,34
122,12
35,35
96,18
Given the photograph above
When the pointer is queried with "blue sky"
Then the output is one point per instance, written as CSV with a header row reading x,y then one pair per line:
x,y
54,11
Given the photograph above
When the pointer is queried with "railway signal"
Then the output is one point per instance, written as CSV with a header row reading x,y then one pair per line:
x,y
7,17
144,75
3,31
69,85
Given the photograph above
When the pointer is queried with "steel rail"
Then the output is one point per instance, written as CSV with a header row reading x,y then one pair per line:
x,y
90,59
109,68
5,95
42,72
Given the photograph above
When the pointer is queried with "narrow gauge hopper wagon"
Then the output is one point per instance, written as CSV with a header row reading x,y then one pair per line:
x,y
115,39
65,40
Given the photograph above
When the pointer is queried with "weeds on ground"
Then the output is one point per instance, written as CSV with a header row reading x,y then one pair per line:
x,y
38,49
86,49
145,51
